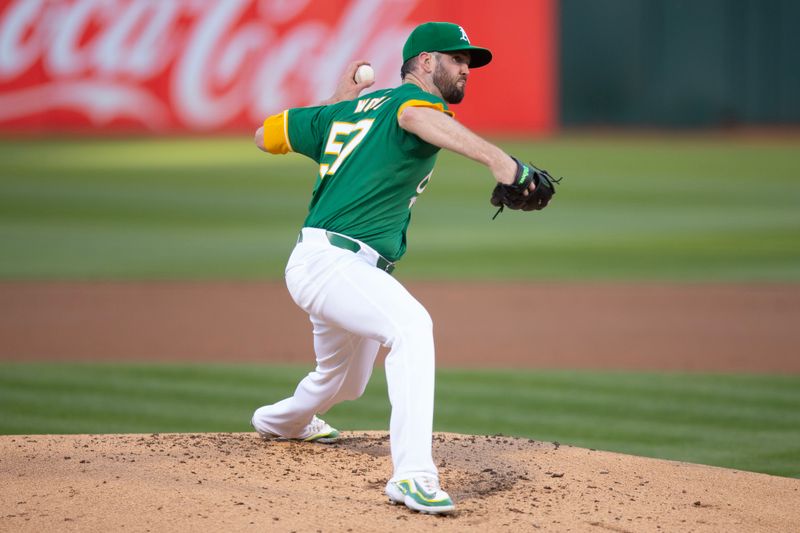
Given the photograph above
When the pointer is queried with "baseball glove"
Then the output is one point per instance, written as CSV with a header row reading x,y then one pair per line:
x,y
513,196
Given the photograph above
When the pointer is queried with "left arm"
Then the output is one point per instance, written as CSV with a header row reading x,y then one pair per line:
x,y
443,131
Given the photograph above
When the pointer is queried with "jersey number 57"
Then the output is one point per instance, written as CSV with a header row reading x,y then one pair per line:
x,y
343,149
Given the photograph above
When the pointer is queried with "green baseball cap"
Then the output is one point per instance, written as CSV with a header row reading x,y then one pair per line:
x,y
444,37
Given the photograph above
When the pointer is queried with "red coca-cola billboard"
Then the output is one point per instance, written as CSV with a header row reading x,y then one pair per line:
x,y
171,66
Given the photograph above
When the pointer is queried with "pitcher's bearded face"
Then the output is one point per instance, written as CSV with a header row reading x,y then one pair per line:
x,y
450,76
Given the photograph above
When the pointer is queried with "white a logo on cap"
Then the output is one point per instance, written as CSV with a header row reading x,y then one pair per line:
x,y
463,35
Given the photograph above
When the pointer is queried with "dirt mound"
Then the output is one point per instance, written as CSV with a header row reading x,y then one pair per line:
x,y
237,482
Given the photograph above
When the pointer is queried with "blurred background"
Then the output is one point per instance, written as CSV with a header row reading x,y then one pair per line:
x,y
143,236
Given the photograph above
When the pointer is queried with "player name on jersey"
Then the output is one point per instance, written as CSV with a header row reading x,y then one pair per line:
x,y
368,104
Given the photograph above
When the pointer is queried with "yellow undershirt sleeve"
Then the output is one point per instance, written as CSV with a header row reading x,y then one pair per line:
x,y
276,136
424,103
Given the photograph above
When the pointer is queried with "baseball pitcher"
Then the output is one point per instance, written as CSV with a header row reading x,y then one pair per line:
x,y
376,154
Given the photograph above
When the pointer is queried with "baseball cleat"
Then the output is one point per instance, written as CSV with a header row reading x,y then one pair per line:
x,y
421,493
317,431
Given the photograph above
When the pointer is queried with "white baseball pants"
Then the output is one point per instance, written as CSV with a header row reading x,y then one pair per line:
x,y
354,308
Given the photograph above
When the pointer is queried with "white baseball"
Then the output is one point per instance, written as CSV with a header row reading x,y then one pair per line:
x,y
364,74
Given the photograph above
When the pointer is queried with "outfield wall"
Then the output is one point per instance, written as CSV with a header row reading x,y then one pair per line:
x,y
224,65
680,62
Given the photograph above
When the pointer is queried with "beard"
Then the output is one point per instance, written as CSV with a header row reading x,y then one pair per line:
x,y
448,85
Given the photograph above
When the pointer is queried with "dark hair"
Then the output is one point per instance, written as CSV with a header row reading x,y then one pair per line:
x,y
408,66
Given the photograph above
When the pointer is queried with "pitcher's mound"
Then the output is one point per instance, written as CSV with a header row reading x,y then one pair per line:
x,y
233,482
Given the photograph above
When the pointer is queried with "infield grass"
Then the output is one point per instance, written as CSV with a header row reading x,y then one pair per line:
x,y
748,422
669,208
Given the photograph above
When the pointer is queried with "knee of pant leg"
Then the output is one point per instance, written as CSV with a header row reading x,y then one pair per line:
x,y
415,323
353,386
421,319
358,389
352,392
325,380
338,385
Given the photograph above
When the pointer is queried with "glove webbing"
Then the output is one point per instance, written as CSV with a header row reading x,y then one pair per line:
x,y
552,179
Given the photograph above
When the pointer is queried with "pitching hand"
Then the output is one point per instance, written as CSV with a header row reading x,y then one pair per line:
x,y
347,89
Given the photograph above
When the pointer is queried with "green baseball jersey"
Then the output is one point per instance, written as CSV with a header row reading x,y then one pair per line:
x,y
370,169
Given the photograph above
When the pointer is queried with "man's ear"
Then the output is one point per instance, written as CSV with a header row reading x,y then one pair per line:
x,y
428,61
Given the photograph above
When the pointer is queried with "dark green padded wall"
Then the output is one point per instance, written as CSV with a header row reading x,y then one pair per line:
x,y
680,62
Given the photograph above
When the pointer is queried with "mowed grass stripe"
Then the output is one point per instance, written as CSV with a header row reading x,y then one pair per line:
x,y
740,421
593,423
688,412
133,398
142,378
757,385
667,209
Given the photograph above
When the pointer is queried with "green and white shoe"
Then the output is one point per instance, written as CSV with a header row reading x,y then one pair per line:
x,y
317,431
421,493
